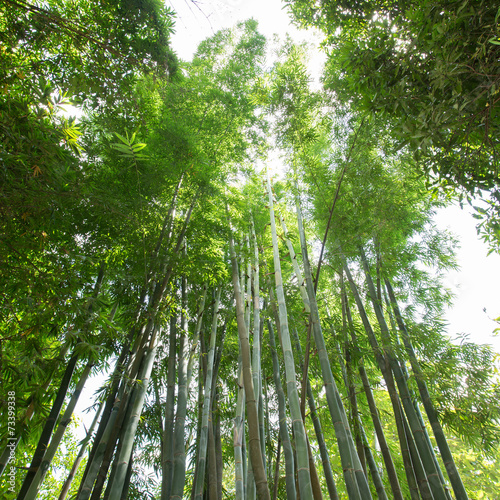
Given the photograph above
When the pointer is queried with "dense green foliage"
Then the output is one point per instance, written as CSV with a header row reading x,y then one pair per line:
x,y
127,236
429,71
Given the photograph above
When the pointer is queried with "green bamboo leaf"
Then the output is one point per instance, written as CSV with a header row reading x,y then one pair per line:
x,y
125,141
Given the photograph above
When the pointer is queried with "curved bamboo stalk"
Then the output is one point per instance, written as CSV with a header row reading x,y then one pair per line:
x,y
202,454
253,419
423,448
356,483
58,435
449,463
283,428
303,470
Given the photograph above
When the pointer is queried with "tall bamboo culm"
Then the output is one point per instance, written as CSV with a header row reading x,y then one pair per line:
x,y
418,433
283,427
299,433
202,454
449,463
253,418
355,480
384,368
384,447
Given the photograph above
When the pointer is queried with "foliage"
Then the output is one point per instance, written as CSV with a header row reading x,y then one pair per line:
x,y
93,53
104,218
429,71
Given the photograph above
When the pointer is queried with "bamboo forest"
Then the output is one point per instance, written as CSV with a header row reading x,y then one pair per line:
x,y
222,278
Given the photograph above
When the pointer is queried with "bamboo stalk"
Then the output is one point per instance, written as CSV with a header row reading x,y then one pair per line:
x,y
388,378
303,471
58,435
449,463
128,438
168,432
202,454
325,459
253,419
93,467
424,451
67,484
356,483
179,472
50,423
384,447
284,437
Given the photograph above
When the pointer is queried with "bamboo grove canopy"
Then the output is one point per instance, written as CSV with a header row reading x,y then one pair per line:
x,y
243,273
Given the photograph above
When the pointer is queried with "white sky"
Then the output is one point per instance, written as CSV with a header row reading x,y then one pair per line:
x,y
475,285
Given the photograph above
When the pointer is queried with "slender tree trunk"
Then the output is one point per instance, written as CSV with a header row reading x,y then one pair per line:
x,y
384,447
372,465
253,418
306,386
257,333
196,337
304,476
109,404
315,484
284,437
449,463
11,447
325,459
348,374
251,292
202,454
212,461
277,471
58,435
238,436
179,472
415,402
388,378
93,467
128,439
218,452
168,434
269,442
128,476
67,484
50,423
199,412
420,441
356,483
346,368
421,478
